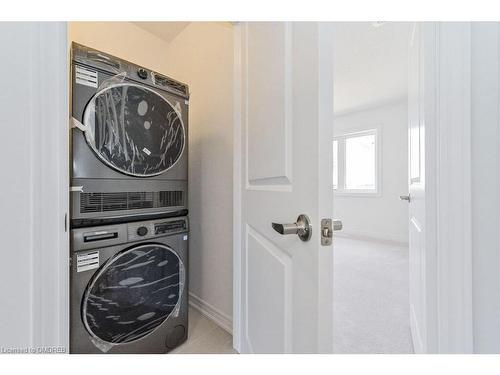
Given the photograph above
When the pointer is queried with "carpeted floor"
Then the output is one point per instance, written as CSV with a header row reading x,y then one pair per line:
x,y
371,307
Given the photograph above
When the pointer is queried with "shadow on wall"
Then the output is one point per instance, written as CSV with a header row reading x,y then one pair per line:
x,y
211,232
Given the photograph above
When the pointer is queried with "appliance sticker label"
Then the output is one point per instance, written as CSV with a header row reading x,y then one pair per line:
x,y
185,237
87,77
146,151
87,261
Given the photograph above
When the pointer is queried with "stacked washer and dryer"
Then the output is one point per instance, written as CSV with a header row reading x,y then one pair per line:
x,y
129,223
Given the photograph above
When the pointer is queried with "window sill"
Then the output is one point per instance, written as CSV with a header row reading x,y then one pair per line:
x,y
358,193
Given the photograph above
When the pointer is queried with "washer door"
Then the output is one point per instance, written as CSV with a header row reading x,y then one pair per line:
x,y
134,130
133,293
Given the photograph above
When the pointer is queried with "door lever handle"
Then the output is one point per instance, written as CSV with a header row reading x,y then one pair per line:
x,y
302,227
285,228
405,197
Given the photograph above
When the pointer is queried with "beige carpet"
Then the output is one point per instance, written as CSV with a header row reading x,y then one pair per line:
x,y
371,306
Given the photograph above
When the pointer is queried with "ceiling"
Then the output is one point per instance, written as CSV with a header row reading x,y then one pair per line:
x,y
166,31
370,64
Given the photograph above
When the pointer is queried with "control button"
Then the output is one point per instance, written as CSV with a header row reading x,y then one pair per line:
x,y
142,73
142,231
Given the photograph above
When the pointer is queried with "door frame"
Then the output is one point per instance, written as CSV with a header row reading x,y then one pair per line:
x,y
51,270
447,48
447,103
237,185
44,176
325,115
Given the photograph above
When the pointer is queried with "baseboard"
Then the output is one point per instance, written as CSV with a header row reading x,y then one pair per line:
x,y
363,237
211,312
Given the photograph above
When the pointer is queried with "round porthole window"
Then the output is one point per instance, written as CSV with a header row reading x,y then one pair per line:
x,y
134,130
133,293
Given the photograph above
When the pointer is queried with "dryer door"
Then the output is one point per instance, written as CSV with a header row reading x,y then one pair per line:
x,y
134,129
134,292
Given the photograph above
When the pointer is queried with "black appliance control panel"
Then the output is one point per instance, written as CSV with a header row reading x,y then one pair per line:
x,y
170,226
156,228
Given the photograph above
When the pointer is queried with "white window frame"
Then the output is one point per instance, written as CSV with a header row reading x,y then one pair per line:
x,y
341,190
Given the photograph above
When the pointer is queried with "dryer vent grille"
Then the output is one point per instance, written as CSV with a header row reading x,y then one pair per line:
x,y
103,202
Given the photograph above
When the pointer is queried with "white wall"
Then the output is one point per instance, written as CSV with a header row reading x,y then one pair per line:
x,y
382,217
486,186
124,40
34,280
202,56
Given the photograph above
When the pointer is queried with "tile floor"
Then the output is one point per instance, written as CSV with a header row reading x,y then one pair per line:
x,y
371,303
205,337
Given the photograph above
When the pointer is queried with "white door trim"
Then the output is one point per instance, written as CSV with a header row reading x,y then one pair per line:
x,y
447,50
454,210
325,164
237,184
52,289
50,175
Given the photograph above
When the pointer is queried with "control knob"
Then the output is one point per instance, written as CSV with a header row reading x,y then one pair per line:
x,y
142,231
142,73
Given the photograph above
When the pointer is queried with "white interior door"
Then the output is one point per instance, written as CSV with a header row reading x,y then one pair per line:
x,y
417,241
284,112
439,109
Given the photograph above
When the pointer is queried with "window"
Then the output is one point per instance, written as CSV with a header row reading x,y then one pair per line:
x,y
355,163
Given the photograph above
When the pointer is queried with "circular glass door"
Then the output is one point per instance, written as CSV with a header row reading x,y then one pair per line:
x,y
134,130
134,292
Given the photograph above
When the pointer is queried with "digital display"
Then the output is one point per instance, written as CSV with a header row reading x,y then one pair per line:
x,y
161,228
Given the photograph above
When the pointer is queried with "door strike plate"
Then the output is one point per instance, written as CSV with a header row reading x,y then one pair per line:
x,y
326,232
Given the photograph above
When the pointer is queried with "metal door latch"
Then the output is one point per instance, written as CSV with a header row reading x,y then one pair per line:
x,y
327,228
